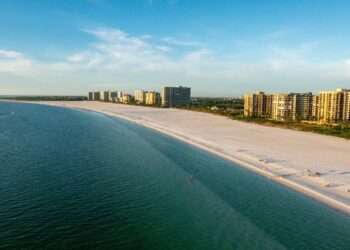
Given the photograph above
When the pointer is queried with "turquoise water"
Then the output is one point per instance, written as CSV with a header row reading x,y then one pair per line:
x,y
82,180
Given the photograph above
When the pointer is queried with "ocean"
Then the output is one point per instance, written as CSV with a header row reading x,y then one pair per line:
x,y
74,179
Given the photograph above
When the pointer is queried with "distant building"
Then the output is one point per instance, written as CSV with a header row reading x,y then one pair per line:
x,y
334,106
101,96
140,96
120,96
301,106
114,96
175,96
346,112
91,96
327,107
268,108
126,98
105,96
257,105
292,106
282,107
315,108
97,96
152,98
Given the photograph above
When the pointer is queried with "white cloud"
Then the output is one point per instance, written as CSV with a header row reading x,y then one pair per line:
x,y
77,58
9,54
117,59
14,62
146,36
163,48
178,42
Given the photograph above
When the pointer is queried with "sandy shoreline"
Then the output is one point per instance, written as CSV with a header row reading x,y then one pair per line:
x,y
316,165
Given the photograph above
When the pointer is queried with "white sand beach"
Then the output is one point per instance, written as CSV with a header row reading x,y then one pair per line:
x,y
314,164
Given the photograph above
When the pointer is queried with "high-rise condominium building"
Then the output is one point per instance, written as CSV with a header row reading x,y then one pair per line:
x,y
301,106
268,105
152,98
315,113
126,98
346,112
102,96
105,96
282,105
175,96
327,107
257,105
293,106
113,96
120,96
97,96
334,106
140,96
91,96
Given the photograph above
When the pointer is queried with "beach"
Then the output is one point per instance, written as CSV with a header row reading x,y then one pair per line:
x,y
316,165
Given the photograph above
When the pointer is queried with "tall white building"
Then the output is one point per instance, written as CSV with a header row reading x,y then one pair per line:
x,y
140,96
120,96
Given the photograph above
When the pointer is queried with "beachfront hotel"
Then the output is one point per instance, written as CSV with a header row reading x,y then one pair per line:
x,y
168,97
334,106
302,106
91,96
327,107
293,106
147,97
152,98
140,96
281,107
96,96
258,105
346,115
113,96
175,96
105,96
127,98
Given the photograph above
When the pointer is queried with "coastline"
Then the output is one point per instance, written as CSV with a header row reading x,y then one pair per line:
x,y
284,181
288,177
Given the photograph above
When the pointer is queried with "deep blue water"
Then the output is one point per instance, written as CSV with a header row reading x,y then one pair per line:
x,y
81,180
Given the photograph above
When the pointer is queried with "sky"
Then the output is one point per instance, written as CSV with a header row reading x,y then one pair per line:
x,y
217,47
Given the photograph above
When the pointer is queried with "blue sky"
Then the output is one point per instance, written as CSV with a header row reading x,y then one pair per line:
x,y
219,48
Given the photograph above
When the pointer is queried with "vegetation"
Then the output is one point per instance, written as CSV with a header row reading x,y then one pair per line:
x,y
233,108
339,130
219,106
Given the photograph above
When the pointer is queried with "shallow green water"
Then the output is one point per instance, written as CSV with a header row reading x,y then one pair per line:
x,y
82,180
